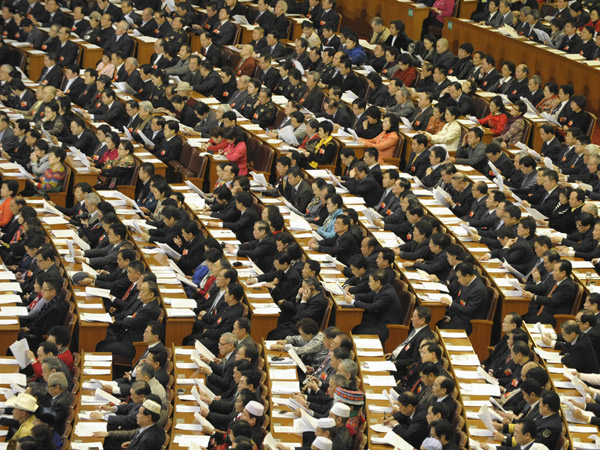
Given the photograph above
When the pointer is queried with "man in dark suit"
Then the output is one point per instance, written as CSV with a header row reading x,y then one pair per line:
x,y
491,76
364,185
311,305
329,38
262,249
329,14
129,15
51,74
112,110
220,374
590,326
268,75
244,226
288,279
263,17
106,257
548,202
121,43
209,50
58,388
411,423
557,300
455,97
169,148
52,313
418,160
301,192
336,113
224,31
150,435
346,79
222,320
67,51
55,15
82,138
462,198
381,306
424,113
120,338
576,348
551,147
343,245
515,250
471,303
407,353
313,97
74,85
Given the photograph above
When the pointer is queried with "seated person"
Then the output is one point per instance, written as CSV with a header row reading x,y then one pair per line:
x,y
308,344
311,305
120,338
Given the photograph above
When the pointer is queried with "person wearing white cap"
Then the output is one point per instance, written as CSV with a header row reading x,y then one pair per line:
x,y
254,414
321,443
340,412
150,436
24,405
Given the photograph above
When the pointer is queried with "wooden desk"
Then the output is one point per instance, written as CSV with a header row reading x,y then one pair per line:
x,y
8,335
145,48
91,54
356,14
539,58
35,62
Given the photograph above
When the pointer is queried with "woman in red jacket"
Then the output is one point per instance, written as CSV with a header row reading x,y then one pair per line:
x,y
236,149
497,118
7,192
406,72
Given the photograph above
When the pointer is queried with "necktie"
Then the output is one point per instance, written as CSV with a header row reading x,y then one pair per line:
x,y
549,295
401,346
128,291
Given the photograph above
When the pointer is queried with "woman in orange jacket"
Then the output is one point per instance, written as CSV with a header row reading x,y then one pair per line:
x,y
387,140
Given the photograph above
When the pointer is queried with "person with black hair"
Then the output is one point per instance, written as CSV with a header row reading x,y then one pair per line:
x,y
472,301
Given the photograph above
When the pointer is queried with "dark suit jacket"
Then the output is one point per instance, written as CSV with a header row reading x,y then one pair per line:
x,y
381,307
421,120
67,54
410,355
223,34
547,205
556,301
270,78
115,116
151,439
414,429
192,255
520,255
60,405
580,356
52,314
51,78
123,45
348,83
418,164
342,247
367,188
472,303
168,150
301,195
313,100
261,252
244,226
222,322
489,80
134,327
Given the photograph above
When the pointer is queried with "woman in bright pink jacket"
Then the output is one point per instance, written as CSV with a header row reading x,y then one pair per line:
x,y
236,150
440,10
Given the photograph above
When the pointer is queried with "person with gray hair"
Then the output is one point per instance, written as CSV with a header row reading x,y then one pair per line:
x,y
220,371
380,31
145,372
349,369
404,106
61,397
120,42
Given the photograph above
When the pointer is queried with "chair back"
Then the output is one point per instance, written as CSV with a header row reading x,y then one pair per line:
x,y
481,107
263,158
591,124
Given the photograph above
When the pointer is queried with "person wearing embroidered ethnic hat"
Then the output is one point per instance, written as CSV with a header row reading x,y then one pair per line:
x,y
254,414
321,443
24,405
355,400
150,436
